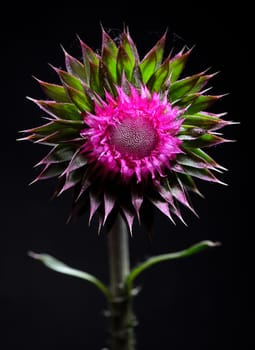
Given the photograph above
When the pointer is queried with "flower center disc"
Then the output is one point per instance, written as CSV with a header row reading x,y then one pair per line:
x,y
135,137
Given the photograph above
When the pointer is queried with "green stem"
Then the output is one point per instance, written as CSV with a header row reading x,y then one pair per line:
x,y
121,313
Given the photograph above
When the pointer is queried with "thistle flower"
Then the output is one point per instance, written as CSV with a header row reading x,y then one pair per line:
x,y
126,133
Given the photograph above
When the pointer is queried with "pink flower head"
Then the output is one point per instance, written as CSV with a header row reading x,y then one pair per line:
x,y
127,133
134,135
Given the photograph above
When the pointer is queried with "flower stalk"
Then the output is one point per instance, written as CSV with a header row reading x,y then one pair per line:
x,y
122,319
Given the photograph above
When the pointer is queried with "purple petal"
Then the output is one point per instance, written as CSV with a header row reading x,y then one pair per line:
x,y
163,207
137,200
71,180
180,195
100,223
165,194
94,204
109,202
129,218
86,183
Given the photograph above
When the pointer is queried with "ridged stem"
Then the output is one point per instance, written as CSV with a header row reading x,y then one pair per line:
x,y
121,313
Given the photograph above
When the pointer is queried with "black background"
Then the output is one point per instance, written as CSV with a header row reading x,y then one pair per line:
x,y
187,304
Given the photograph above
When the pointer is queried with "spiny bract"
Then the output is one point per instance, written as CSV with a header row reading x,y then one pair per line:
x,y
127,134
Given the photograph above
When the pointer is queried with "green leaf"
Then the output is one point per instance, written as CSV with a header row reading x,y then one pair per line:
x,y
81,100
110,64
56,125
52,133
205,157
186,100
89,56
55,138
124,64
108,82
159,49
148,66
152,60
72,179
192,160
78,161
177,64
64,135
203,174
75,67
202,81
108,44
194,249
159,77
177,189
197,158
130,48
205,140
50,171
58,266
53,91
189,132
181,87
205,120
70,80
45,129
202,102
95,81
137,76
188,182
108,67
59,154
79,124
67,111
